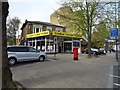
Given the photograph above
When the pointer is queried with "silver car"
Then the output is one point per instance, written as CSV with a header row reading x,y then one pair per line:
x,y
24,53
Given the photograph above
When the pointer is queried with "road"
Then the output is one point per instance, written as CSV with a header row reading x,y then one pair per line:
x,y
65,73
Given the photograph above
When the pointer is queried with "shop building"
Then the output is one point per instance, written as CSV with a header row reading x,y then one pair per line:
x,y
49,38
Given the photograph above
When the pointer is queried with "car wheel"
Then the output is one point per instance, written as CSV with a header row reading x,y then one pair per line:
x,y
41,58
12,61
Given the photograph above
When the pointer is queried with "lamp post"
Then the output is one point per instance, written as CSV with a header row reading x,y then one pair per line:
x,y
116,27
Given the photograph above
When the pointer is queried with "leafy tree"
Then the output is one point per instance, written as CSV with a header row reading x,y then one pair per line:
x,y
84,17
12,28
99,35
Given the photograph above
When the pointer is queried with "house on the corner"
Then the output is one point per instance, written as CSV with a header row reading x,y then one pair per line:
x,y
48,37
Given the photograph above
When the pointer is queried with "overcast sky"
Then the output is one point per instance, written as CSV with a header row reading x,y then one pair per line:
x,y
34,10
37,10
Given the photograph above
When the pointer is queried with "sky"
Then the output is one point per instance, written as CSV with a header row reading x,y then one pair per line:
x,y
35,10
32,10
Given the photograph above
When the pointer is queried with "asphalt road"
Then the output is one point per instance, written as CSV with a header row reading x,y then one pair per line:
x,y
65,73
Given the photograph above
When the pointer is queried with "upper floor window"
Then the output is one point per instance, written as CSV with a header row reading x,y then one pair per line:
x,y
58,29
37,28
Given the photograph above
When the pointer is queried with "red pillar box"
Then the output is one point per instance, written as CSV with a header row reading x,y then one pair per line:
x,y
75,53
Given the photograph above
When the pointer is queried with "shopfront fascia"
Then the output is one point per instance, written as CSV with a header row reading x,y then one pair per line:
x,y
48,41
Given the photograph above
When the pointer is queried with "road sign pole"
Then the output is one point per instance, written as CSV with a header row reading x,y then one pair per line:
x,y
55,42
114,33
116,49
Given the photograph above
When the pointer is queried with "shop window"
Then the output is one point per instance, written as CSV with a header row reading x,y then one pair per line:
x,y
50,46
30,43
76,44
34,44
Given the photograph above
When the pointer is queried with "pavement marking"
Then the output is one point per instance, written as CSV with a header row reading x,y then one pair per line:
x,y
116,84
88,62
115,76
110,79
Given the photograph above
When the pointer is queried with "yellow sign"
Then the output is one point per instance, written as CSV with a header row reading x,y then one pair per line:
x,y
64,34
44,33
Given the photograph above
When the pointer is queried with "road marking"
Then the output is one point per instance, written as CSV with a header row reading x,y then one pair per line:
x,y
110,79
116,84
115,76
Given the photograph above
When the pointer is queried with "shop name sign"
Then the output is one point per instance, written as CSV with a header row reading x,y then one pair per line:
x,y
44,33
64,34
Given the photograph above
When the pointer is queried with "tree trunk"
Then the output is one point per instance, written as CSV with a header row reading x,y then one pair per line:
x,y
89,45
6,73
88,30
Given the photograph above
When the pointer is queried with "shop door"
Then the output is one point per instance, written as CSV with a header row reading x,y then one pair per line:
x,y
67,47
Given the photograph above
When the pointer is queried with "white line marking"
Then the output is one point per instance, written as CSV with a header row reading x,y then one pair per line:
x,y
115,76
116,84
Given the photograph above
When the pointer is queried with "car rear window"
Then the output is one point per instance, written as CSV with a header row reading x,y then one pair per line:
x,y
11,49
17,49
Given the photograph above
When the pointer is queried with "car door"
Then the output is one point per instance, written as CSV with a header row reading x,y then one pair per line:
x,y
22,53
33,53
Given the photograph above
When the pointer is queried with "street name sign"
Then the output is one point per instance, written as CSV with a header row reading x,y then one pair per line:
x,y
114,32
111,40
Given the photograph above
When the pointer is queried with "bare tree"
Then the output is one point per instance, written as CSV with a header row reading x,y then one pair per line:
x,y
12,28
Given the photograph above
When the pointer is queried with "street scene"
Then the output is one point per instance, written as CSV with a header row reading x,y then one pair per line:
x,y
60,44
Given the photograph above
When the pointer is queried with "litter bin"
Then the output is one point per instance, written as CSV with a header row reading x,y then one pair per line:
x,y
75,53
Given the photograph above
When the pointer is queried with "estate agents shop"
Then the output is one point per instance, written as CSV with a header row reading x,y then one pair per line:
x,y
49,38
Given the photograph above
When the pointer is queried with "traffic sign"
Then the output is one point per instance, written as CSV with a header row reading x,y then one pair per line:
x,y
55,40
114,32
111,40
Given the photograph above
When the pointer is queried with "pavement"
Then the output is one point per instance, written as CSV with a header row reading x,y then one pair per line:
x,y
64,72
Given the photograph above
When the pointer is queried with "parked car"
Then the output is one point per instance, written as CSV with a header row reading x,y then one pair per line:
x,y
24,53
102,51
92,50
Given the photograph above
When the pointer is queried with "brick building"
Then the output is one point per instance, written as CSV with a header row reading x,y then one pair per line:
x,y
47,37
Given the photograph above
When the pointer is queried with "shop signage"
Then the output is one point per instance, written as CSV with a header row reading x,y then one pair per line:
x,y
44,33
64,34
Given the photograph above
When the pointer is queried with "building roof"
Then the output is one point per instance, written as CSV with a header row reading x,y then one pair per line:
x,y
41,23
